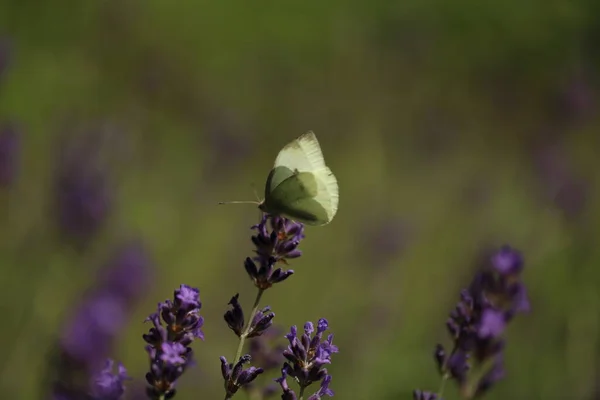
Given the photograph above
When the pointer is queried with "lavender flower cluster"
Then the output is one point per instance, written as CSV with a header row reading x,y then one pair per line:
x,y
276,241
476,327
85,373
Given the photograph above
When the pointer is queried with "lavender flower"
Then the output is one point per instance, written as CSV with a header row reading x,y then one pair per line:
x,y
323,390
306,358
90,332
261,321
476,325
89,336
168,346
9,153
277,244
107,385
235,316
421,395
235,376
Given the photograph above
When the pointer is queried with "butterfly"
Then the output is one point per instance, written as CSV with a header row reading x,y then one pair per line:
x,y
300,185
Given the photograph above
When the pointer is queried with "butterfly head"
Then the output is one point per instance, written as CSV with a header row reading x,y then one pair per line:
x,y
262,207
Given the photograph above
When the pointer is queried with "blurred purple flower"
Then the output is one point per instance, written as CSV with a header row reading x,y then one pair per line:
x,y
492,323
168,344
129,272
277,244
89,337
507,261
9,154
90,332
107,385
494,374
476,325
421,395
83,192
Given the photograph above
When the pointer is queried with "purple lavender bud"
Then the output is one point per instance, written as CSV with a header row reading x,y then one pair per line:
x,y
493,375
107,385
308,356
262,321
323,390
173,353
186,297
168,345
421,395
458,365
440,357
235,376
277,244
235,316
517,292
492,323
9,154
288,394
507,261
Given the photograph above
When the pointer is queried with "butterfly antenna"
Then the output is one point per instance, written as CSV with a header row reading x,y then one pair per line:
x,y
239,202
255,192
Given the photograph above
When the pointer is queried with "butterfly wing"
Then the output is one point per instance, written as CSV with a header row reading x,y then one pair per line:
x,y
303,154
295,198
299,158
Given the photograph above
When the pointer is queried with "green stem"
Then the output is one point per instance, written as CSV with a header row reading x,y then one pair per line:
x,y
440,391
243,336
301,395
445,375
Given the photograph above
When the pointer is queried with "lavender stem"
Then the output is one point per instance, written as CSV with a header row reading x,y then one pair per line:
x,y
248,325
440,391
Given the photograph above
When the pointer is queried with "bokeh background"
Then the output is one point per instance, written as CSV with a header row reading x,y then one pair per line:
x,y
453,127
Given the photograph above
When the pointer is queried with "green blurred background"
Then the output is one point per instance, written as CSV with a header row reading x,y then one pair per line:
x,y
451,126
